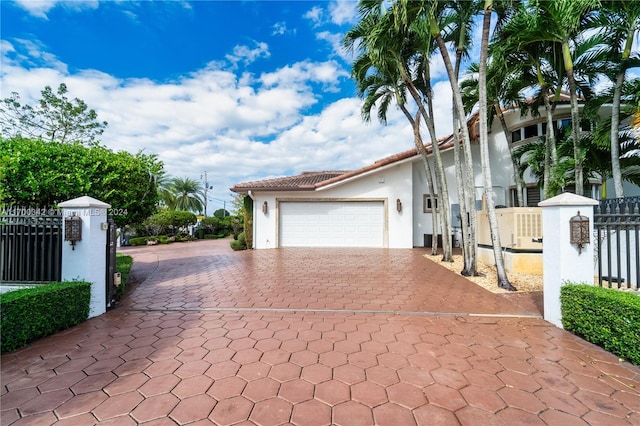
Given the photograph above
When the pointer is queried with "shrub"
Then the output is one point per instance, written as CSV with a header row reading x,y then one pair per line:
x,y
123,265
606,317
138,241
240,243
33,313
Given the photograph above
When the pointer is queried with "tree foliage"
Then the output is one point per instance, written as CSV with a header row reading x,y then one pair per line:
x,y
54,119
35,173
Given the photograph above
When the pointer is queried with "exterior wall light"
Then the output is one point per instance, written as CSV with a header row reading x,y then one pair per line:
x,y
73,230
399,205
579,226
265,208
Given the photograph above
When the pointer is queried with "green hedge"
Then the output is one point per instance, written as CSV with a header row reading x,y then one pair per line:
x,y
606,317
123,265
32,313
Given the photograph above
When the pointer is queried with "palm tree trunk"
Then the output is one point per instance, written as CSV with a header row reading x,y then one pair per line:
x,y
503,280
615,143
440,174
417,139
466,142
575,119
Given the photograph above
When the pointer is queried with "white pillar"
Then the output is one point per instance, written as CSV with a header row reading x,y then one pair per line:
x,y
87,259
562,261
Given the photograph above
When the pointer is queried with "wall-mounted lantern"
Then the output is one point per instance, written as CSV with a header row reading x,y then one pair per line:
x,y
265,208
399,205
579,226
73,230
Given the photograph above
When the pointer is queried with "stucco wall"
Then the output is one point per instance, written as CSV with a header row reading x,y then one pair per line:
x,y
390,184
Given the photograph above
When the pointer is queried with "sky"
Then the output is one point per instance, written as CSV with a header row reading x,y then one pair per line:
x,y
244,90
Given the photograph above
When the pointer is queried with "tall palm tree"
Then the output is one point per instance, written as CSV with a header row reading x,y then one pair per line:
x,y
560,21
618,22
394,50
189,194
503,280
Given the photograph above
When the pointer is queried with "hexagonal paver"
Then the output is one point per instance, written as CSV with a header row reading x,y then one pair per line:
x,y
406,395
154,407
193,409
271,411
296,391
316,373
261,389
232,410
311,413
390,413
332,392
352,413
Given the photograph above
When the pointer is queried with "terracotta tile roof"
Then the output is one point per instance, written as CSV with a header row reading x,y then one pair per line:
x,y
301,182
310,181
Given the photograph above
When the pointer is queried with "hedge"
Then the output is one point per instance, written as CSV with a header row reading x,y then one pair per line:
x,y
32,313
606,317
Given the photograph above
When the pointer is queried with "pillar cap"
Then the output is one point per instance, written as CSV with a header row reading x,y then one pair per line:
x,y
85,201
568,199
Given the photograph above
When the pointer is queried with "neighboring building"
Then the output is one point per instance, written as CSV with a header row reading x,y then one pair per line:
x,y
385,204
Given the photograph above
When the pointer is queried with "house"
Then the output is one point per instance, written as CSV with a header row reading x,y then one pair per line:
x,y
385,204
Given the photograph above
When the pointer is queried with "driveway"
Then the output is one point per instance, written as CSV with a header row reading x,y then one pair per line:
x,y
314,336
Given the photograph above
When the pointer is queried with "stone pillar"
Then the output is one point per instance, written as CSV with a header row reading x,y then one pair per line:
x,y
562,261
87,259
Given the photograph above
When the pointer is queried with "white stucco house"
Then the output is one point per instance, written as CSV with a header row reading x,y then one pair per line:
x,y
384,204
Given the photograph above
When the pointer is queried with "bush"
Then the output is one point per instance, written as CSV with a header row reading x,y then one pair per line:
x,y
138,241
606,317
240,243
123,265
33,313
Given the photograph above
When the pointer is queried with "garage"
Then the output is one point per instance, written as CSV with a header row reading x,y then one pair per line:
x,y
331,224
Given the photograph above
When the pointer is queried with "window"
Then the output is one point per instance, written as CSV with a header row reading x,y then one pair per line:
x,y
516,136
531,196
427,207
531,131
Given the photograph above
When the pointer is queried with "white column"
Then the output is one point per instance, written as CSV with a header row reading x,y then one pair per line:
x,y
562,261
87,260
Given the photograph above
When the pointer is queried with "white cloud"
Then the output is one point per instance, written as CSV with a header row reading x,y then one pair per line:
x,y
246,55
236,127
343,12
40,8
279,28
315,15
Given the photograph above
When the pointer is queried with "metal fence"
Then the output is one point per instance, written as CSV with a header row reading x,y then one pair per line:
x,y
617,228
30,245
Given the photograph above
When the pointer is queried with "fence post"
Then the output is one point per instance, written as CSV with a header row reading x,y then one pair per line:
x,y
562,261
86,259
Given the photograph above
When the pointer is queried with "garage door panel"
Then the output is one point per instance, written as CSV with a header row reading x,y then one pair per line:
x,y
332,224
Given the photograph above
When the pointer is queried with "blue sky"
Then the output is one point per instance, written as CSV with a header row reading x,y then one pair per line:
x,y
244,90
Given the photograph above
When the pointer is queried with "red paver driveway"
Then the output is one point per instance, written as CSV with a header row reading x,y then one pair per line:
x,y
307,337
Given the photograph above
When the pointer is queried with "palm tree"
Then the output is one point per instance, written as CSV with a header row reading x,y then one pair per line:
x,y
391,50
559,21
188,193
618,22
503,281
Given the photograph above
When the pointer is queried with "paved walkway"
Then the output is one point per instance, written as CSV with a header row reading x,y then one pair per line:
x,y
314,337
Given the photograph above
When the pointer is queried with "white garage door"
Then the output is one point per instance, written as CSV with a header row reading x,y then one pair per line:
x,y
332,224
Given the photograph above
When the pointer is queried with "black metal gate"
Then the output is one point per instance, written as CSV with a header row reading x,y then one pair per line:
x,y
617,228
110,280
30,245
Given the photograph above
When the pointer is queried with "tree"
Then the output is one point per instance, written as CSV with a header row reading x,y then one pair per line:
x,y
188,194
35,173
503,281
222,213
54,119
392,63
618,23
171,220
